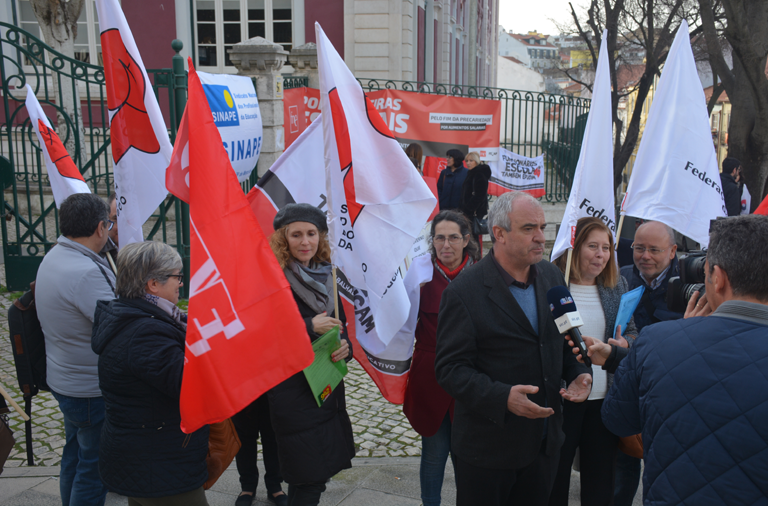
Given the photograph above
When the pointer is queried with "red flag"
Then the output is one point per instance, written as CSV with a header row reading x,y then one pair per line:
x,y
177,173
762,208
245,334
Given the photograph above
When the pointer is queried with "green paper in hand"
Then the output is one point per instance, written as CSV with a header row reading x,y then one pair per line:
x,y
324,375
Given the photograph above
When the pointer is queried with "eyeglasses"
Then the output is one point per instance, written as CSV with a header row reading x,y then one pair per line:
x,y
180,277
110,224
452,239
653,251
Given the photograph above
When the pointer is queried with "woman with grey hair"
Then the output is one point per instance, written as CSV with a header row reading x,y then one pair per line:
x,y
139,338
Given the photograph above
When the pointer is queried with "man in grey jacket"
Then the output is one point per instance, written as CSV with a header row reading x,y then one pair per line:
x,y
71,278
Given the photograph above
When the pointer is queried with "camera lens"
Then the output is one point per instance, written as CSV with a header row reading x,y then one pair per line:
x,y
692,268
689,290
679,293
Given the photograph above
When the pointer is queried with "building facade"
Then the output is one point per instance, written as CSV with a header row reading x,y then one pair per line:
x,y
434,41
543,54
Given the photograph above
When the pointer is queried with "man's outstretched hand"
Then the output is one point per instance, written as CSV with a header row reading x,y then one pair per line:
x,y
579,389
519,403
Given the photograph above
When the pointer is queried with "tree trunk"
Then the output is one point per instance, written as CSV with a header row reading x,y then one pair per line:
x,y
747,33
58,23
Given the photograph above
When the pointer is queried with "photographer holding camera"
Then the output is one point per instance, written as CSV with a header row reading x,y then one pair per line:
x,y
697,388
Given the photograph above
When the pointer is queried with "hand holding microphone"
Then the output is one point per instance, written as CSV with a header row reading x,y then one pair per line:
x,y
567,318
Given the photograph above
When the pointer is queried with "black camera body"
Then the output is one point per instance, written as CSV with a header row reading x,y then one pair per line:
x,y
691,280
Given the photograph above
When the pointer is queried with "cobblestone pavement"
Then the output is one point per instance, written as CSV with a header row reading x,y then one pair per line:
x,y
380,428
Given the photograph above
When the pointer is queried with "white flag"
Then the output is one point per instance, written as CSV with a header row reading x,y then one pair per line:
x,y
675,179
141,149
63,174
377,201
746,201
299,176
592,192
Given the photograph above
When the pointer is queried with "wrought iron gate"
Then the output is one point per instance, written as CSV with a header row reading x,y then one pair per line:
x,y
30,225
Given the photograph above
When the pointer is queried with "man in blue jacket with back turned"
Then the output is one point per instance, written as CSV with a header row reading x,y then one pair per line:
x,y
698,389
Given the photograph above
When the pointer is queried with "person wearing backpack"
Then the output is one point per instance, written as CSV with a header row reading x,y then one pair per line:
x,y
71,279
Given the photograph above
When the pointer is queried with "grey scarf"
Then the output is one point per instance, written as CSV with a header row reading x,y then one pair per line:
x,y
312,284
169,307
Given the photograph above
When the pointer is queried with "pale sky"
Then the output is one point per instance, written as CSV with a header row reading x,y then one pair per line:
x,y
521,16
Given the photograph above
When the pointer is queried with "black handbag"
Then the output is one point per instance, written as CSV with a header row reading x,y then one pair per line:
x,y
479,226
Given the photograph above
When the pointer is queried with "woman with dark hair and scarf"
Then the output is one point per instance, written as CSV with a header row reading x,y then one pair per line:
x,y
313,443
428,407
451,180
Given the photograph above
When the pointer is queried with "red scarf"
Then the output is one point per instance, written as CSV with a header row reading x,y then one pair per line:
x,y
452,274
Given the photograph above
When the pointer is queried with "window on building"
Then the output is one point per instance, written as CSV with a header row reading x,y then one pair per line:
x,y
220,24
87,41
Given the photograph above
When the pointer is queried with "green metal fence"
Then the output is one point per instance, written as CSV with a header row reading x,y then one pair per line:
x,y
531,124
30,227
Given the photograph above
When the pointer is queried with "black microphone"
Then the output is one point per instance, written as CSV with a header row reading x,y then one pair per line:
x,y
567,318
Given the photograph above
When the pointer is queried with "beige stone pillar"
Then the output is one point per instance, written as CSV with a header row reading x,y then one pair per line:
x,y
303,59
263,60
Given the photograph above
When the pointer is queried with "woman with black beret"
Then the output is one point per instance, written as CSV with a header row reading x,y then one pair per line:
x,y
313,443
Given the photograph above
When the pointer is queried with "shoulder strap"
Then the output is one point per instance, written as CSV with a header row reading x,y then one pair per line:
x,y
103,273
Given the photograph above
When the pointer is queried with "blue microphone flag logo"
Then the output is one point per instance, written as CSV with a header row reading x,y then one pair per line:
x,y
223,106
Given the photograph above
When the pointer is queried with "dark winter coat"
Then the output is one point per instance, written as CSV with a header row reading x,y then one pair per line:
x,y
449,187
474,193
313,443
486,344
698,392
731,194
143,452
656,299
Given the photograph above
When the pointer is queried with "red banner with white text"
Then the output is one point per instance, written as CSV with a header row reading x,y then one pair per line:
x,y
437,122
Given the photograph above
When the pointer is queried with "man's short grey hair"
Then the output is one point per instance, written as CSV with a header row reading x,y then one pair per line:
x,y
498,214
737,246
140,262
669,230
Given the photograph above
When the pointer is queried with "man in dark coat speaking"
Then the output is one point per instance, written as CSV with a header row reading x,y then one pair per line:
x,y
500,355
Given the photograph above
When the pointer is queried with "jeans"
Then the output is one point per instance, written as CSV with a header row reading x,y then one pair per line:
x,y
627,479
434,455
79,481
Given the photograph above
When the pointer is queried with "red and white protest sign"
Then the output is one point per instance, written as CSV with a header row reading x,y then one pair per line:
x,y
301,107
437,122
513,172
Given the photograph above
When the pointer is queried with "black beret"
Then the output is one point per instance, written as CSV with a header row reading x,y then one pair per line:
x,y
300,212
729,164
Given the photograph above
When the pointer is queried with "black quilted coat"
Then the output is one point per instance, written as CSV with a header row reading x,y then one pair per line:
x,y
143,452
313,443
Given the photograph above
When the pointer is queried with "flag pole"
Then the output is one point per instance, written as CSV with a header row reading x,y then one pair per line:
x,y
13,404
112,263
568,267
618,232
335,294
